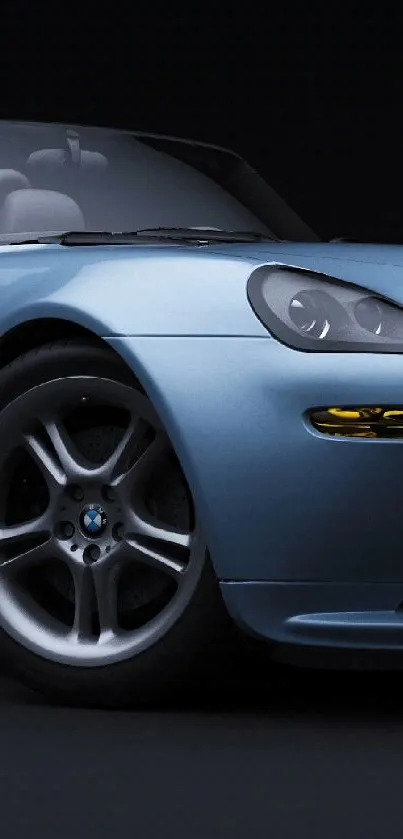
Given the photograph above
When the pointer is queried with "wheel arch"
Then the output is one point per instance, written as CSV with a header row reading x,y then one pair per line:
x,y
35,333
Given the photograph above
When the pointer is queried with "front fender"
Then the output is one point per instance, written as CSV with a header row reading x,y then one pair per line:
x,y
118,290
277,500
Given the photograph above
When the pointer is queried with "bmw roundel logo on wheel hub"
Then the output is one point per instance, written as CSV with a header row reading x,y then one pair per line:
x,y
93,521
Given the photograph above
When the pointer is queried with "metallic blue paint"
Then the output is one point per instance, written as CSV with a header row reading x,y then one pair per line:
x,y
363,616
296,523
119,290
277,500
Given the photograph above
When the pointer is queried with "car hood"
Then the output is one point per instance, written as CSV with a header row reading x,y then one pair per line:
x,y
376,267
171,290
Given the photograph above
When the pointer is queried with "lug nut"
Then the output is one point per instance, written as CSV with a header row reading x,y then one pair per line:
x,y
117,532
108,493
64,530
77,493
92,553
68,529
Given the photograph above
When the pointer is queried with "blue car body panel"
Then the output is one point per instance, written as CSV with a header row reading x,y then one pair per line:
x,y
305,532
278,501
119,290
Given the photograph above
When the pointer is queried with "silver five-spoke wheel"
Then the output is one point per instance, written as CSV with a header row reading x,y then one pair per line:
x,y
100,549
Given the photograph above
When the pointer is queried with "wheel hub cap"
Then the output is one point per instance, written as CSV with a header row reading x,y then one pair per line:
x,y
93,521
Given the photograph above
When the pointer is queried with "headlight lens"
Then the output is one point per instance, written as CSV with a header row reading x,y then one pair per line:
x,y
309,311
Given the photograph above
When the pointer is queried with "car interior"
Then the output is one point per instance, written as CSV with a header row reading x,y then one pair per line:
x,y
54,178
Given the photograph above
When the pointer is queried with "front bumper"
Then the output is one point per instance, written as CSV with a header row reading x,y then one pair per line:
x,y
366,616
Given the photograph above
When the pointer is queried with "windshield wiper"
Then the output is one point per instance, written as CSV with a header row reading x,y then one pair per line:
x,y
211,234
98,237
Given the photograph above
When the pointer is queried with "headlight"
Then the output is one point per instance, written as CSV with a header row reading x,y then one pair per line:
x,y
309,311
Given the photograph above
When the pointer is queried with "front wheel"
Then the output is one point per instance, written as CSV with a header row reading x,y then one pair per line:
x,y
107,595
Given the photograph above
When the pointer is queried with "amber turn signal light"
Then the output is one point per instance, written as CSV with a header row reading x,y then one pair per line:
x,y
359,422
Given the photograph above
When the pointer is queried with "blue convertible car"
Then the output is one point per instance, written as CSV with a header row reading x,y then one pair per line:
x,y
201,415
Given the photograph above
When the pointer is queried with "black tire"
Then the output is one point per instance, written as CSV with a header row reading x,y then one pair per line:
x,y
172,664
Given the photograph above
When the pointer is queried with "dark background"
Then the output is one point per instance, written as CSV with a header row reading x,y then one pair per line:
x,y
310,93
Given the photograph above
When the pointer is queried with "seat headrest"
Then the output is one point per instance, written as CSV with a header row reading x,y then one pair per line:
x,y
49,169
54,169
10,180
93,161
49,160
26,210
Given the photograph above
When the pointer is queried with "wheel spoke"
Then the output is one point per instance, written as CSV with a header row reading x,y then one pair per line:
x,y
116,465
20,535
84,588
154,558
140,470
72,463
52,472
106,595
170,537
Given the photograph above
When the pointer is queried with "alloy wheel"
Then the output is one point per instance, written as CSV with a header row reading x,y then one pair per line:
x,y
95,566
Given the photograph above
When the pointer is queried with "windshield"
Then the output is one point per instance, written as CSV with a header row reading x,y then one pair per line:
x,y
58,178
